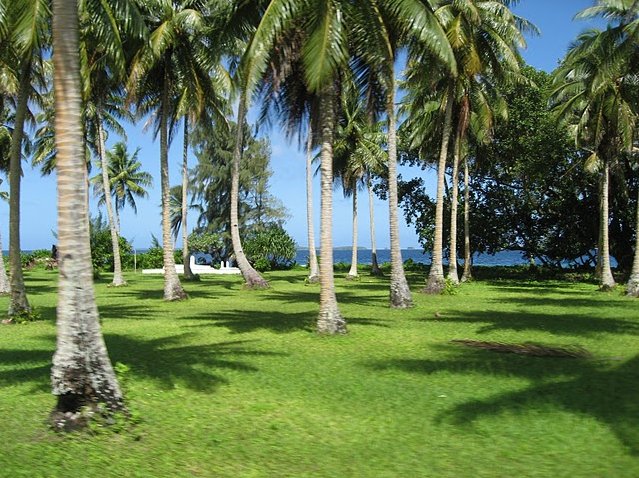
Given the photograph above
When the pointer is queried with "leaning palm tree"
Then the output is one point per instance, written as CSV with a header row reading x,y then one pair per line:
x,y
82,377
596,96
28,24
173,56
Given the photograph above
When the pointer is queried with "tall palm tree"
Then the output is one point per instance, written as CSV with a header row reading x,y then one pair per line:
x,y
28,22
597,97
313,267
485,36
623,19
82,376
359,153
173,57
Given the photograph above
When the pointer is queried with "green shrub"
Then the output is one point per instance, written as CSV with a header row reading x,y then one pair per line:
x,y
151,259
270,248
102,247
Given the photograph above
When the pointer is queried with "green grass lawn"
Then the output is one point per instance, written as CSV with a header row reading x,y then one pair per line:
x,y
236,383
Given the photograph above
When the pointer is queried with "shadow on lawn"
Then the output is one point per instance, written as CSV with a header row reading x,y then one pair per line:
x,y
607,393
164,360
244,321
27,366
562,324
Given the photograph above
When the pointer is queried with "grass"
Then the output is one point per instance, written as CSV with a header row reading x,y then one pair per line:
x,y
236,383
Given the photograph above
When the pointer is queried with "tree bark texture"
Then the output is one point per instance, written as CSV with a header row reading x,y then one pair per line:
x,y
82,375
400,295
468,258
5,287
633,281
607,281
453,276
118,279
330,319
186,256
18,304
313,268
352,273
172,288
252,278
436,283
375,270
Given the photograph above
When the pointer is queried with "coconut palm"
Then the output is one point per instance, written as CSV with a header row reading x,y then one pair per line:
x,y
485,36
358,154
173,58
82,376
624,21
27,21
126,178
330,33
596,96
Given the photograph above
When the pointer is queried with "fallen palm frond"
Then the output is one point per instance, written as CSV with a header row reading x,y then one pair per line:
x,y
528,348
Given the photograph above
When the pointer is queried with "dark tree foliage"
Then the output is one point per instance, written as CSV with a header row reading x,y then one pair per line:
x,y
211,183
529,189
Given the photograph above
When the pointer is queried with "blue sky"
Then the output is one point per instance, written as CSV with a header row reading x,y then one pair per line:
x,y
552,17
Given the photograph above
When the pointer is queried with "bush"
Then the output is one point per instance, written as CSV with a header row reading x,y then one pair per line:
x,y
270,248
35,258
151,259
102,248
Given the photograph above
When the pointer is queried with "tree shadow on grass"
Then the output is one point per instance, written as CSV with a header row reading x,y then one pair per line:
x,y
560,324
245,321
312,297
240,322
26,366
605,391
166,361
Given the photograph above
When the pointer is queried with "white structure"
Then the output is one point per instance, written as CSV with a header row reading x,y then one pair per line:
x,y
198,269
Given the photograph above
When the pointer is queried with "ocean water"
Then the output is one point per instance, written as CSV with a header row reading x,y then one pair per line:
x,y
503,258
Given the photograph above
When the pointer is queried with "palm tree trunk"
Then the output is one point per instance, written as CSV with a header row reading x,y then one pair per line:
x,y
400,296
607,281
633,282
375,270
468,259
313,274
118,279
5,287
352,273
18,304
172,288
330,320
452,267
252,278
599,264
436,282
186,257
82,375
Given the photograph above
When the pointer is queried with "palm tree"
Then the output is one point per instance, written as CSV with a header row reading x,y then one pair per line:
x,y
597,97
126,178
358,154
173,57
313,267
484,36
28,22
624,17
82,375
